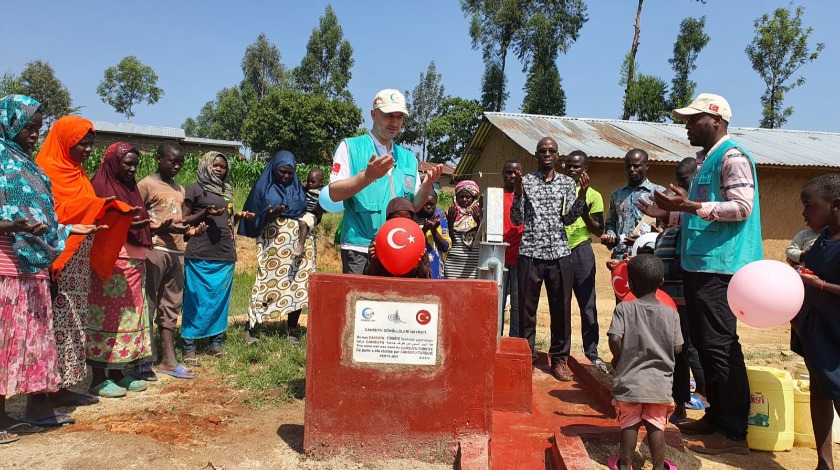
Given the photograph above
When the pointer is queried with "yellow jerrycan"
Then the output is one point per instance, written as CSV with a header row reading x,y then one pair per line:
x,y
771,417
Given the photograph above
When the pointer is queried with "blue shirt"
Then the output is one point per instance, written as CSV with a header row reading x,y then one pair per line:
x,y
623,214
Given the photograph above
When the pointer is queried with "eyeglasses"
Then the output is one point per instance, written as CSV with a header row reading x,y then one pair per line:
x,y
546,150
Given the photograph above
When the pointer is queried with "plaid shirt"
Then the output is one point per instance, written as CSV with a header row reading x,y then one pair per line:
x,y
546,207
623,215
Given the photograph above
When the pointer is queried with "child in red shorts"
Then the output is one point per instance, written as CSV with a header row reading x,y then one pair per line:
x,y
644,338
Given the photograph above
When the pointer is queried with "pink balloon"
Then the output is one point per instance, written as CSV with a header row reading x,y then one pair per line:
x,y
765,293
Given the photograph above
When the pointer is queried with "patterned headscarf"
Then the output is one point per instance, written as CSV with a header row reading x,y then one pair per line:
x,y
106,183
210,182
25,190
267,191
465,223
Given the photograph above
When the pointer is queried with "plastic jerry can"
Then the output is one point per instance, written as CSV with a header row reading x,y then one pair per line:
x,y
802,427
771,417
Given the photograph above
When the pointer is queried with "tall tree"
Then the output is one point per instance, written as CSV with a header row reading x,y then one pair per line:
x,y
308,125
543,88
423,105
629,67
38,80
646,98
494,24
129,83
690,41
452,129
10,84
493,86
630,62
779,49
325,69
261,66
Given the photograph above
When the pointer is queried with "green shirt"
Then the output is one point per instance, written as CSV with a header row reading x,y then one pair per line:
x,y
577,232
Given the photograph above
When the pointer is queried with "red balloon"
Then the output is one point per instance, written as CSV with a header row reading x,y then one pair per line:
x,y
399,244
661,296
620,282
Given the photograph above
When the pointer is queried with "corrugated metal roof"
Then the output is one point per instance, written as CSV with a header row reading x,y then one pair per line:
x,y
202,140
612,138
426,166
139,129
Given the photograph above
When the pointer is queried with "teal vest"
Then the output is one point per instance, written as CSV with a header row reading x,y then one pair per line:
x,y
364,213
719,247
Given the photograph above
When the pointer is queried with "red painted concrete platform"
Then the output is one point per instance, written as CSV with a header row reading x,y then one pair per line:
x,y
564,415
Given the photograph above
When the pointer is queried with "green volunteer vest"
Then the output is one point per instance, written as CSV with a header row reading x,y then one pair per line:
x,y
719,247
364,213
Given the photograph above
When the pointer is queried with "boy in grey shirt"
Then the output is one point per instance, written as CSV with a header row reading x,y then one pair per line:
x,y
644,337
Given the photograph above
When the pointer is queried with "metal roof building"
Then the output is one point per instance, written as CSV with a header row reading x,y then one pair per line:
x,y
149,137
612,138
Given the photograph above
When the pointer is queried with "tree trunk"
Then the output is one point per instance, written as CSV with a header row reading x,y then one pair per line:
x,y
631,65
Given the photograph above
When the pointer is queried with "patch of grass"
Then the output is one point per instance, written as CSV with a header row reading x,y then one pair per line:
x,y
273,367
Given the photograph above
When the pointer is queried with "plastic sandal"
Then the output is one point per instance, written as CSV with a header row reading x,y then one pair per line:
x,y
132,385
669,465
24,428
612,463
108,389
180,372
57,419
144,372
8,438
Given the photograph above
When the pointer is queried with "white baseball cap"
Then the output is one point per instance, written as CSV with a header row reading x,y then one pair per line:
x,y
390,101
705,103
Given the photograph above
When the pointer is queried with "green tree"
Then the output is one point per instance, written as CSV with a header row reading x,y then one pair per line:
x,y
452,129
494,24
543,88
10,84
493,86
779,49
690,41
423,105
308,125
261,66
128,83
221,118
190,127
646,100
38,80
629,66
325,69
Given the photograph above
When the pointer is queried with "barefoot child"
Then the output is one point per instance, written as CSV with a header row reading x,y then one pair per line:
x,y
313,185
816,329
644,337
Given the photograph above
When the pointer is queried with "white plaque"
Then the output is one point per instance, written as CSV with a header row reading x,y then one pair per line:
x,y
395,332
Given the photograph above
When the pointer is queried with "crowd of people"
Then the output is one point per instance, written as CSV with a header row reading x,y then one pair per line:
x,y
89,264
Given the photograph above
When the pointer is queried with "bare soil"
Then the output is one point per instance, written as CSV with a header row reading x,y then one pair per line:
x,y
204,424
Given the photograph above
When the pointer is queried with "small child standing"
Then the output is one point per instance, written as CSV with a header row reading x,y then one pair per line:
x,y
313,185
815,332
800,245
399,207
644,338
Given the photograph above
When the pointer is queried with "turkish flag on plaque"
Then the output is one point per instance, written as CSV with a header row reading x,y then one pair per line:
x,y
399,244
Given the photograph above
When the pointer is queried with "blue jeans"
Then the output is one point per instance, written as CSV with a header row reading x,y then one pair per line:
x,y
511,289
215,343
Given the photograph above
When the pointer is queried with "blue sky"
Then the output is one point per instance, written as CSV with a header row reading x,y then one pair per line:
x,y
196,48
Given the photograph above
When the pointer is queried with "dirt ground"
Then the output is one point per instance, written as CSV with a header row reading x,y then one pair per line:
x,y
200,424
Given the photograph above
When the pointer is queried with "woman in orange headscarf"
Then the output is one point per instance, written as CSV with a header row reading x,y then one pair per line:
x,y
68,144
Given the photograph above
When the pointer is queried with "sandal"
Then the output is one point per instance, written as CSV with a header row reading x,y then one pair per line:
x,y
8,437
57,419
144,372
217,352
77,399
180,372
108,389
24,428
613,463
192,361
132,385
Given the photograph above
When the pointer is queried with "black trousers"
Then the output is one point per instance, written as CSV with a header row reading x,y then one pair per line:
x,y
687,363
712,327
583,285
353,262
558,275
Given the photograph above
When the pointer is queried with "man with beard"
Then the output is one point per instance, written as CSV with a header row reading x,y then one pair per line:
x,y
720,232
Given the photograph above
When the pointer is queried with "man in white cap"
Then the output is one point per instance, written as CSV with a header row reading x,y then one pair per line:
x,y
370,170
720,232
